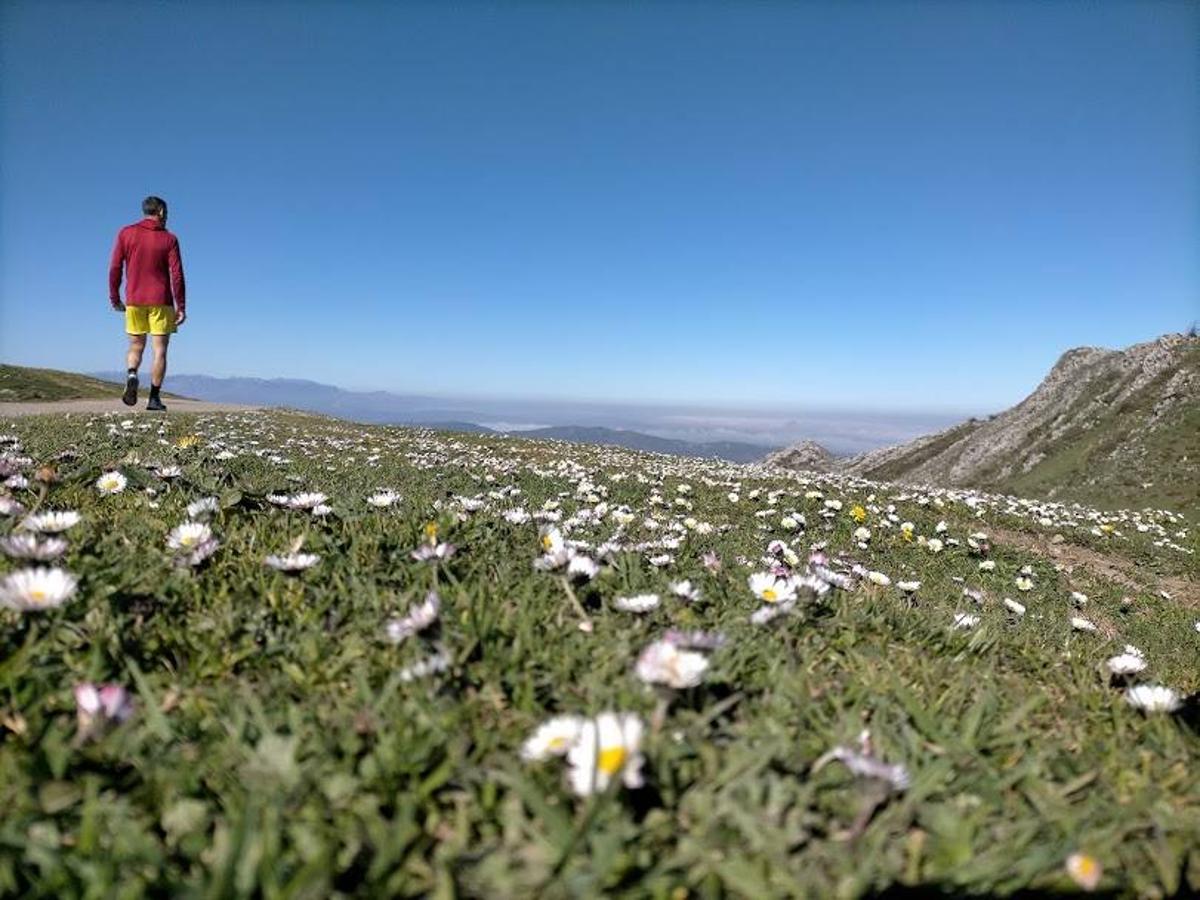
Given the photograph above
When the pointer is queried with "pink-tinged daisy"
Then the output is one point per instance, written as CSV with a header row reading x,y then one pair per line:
x,y
418,618
433,552
97,705
663,662
1084,870
292,562
34,590
607,748
10,507
864,764
27,546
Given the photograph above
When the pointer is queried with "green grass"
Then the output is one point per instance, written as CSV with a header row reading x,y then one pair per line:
x,y
276,753
19,383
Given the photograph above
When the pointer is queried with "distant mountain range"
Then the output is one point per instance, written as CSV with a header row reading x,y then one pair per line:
x,y
384,407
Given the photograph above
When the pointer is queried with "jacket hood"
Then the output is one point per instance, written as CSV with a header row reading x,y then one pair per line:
x,y
151,223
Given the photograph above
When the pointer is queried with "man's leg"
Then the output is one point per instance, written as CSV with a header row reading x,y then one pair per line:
x,y
158,371
133,360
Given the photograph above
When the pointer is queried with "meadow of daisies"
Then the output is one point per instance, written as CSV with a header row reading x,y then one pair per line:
x,y
284,656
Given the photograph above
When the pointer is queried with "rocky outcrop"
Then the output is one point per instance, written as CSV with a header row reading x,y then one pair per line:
x,y
1101,421
805,456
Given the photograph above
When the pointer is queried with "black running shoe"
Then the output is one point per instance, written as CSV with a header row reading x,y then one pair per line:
x,y
129,398
156,405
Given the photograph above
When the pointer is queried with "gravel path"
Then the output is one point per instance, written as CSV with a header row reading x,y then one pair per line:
x,y
115,405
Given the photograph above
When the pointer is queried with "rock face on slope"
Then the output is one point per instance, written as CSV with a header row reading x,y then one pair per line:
x,y
1104,426
807,455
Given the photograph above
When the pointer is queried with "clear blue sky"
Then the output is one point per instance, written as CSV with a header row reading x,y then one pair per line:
x,y
891,205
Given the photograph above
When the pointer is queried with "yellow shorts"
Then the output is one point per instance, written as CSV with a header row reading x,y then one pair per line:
x,y
150,319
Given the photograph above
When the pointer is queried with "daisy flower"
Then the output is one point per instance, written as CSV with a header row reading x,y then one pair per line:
x,y
1153,698
909,587
383,499
52,522
292,562
1080,624
188,536
770,589
685,590
582,567
663,662
433,552
96,705
1014,606
27,546
306,500
608,748
933,545
33,590
111,483
1126,664
551,540
641,603
10,507
878,578
965,621
1024,583
862,763
553,737
988,565
205,506
417,619
1079,599
1084,870
862,535
430,665
168,472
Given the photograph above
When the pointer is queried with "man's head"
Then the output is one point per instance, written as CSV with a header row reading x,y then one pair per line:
x,y
156,207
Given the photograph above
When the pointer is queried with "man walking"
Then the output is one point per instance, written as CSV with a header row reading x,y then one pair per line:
x,y
154,297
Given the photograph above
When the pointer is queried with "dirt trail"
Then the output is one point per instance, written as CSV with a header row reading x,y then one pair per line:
x,y
37,408
1116,569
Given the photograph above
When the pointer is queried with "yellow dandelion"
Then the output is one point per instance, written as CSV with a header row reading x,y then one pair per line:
x,y
858,514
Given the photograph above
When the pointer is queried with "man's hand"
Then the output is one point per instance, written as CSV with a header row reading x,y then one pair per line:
x,y
117,306
180,317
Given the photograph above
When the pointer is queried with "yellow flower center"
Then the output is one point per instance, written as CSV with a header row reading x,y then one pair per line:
x,y
37,595
770,595
431,530
557,743
187,540
611,760
547,542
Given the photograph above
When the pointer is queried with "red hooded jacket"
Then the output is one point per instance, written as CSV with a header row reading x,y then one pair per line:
x,y
150,255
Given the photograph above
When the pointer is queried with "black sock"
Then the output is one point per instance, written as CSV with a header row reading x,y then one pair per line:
x,y
132,373
154,391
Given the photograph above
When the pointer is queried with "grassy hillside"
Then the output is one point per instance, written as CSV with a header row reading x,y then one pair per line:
x,y
20,383
289,737
1120,460
1099,430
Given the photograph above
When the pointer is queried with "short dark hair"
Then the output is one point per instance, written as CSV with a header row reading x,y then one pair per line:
x,y
154,206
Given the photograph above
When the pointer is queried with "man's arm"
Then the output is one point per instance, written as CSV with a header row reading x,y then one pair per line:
x,y
114,272
178,289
